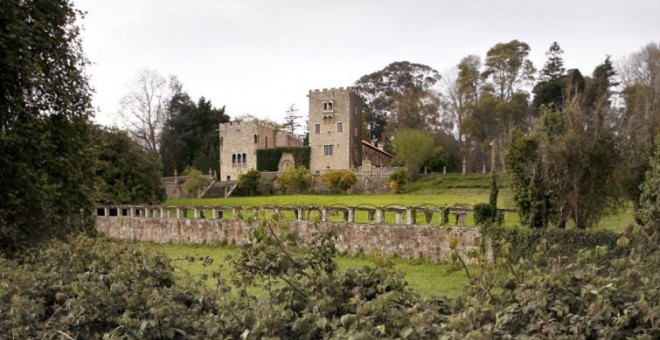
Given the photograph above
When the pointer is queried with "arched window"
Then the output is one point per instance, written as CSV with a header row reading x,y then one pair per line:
x,y
256,139
233,159
330,106
325,106
244,159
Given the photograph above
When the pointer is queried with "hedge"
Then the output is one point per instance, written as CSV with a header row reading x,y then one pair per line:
x,y
268,159
570,242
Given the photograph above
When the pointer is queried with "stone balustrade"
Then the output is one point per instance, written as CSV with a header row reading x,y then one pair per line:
x,y
390,230
406,215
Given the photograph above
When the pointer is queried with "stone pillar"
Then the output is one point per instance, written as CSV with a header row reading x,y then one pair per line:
x,y
163,213
196,212
380,217
132,212
351,215
300,216
399,217
412,216
106,211
148,212
324,214
180,212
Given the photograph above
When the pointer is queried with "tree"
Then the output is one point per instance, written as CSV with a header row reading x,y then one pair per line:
x,y
394,93
189,136
291,119
143,109
649,202
413,148
125,173
554,66
46,187
550,88
640,82
567,169
509,68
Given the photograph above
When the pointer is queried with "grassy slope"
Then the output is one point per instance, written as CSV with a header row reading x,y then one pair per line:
x,y
433,189
427,278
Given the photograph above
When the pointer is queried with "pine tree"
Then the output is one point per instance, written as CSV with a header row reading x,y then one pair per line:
x,y
554,66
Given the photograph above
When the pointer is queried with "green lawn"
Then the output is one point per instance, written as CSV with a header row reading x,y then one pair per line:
x,y
427,278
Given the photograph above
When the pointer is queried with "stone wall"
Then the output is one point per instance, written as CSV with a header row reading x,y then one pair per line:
x,y
408,241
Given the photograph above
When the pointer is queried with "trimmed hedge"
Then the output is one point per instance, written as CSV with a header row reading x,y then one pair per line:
x,y
268,159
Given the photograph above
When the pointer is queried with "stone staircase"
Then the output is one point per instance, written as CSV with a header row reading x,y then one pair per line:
x,y
219,189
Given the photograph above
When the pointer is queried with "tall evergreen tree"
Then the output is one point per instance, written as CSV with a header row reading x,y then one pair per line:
x,y
45,104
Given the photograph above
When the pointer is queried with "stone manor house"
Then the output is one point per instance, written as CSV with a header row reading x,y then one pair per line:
x,y
335,123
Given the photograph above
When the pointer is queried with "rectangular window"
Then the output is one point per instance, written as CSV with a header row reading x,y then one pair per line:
x,y
317,128
340,127
327,150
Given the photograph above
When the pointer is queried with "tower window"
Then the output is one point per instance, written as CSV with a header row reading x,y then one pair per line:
x,y
340,127
233,159
317,128
327,150
327,106
256,139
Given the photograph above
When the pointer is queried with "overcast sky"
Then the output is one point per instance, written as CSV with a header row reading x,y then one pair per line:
x,y
259,57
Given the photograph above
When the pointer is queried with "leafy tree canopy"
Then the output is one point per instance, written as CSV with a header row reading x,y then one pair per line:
x,y
125,173
45,157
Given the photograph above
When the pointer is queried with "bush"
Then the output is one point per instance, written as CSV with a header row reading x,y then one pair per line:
x,y
398,181
484,214
195,181
295,180
248,183
91,288
339,180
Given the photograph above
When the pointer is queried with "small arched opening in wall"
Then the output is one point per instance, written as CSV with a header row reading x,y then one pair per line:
x,y
286,162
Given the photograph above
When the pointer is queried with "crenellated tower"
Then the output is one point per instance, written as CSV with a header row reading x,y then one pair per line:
x,y
335,120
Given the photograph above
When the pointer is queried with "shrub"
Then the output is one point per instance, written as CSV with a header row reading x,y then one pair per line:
x,y
248,183
339,180
195,181
295,180
398,181
484,214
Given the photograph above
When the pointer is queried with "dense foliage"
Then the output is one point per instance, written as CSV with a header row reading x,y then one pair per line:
x,y
195,181
399,181
190,134
268,159
339,181
125,173
283,288
45,158
295,180
248,183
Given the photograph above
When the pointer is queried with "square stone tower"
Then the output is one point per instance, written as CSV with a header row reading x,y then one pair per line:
x,y
335,120
239,142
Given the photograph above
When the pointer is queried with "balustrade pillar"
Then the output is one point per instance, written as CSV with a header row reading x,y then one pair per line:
x,y
324,214
196,213
380,218
301,213
412,216
399,217
351,215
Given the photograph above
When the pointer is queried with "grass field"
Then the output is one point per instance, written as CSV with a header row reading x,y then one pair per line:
x,y
427,278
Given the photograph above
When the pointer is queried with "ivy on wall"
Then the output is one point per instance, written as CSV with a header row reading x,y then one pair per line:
x,y
268,159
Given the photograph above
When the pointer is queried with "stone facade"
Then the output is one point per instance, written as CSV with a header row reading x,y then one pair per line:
x,y
403,240
375,155
335,121
239,142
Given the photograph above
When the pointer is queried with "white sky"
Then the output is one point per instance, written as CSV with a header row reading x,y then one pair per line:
x,y
258,57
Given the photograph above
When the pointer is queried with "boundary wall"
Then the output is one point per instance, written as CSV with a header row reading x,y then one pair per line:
x,y
206,225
